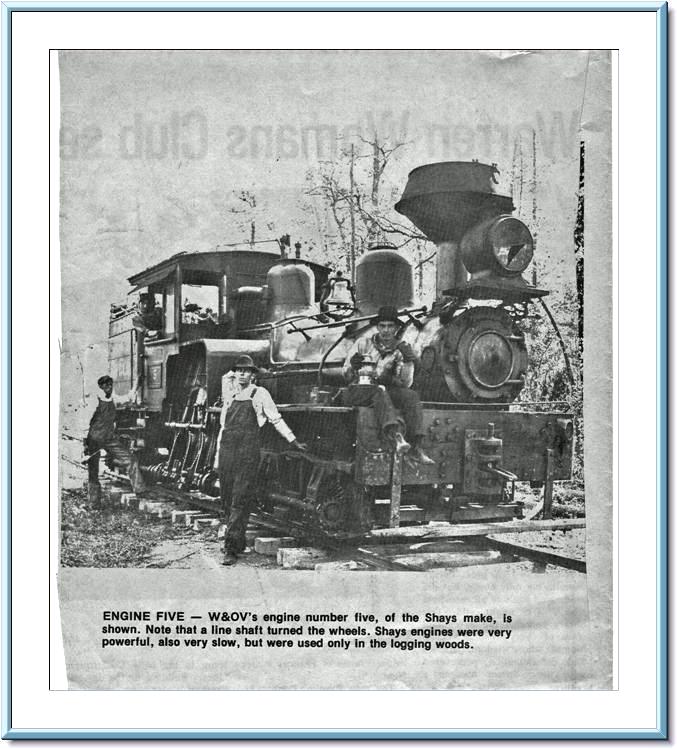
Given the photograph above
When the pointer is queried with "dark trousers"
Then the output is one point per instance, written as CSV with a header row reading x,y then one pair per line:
x,y
239,455
384,402
408,402
119,456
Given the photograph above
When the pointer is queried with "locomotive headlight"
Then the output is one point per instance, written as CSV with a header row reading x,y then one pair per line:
x,y
503,243
511,243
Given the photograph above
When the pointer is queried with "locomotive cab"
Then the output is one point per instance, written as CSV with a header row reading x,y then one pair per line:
x,y
203,300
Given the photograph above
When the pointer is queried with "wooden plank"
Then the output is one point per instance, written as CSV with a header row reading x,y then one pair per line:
x,y
447,560
548,485
537,555
270,546
381,562
182,515
426,547
199,523
473,529
190,519
300,558
151,507
396,492
345,566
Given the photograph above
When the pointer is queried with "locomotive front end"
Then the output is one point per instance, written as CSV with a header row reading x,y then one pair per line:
x,y
473,349
477,353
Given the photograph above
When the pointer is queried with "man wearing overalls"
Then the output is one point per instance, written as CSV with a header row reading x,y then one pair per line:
x,y
102,436
246,408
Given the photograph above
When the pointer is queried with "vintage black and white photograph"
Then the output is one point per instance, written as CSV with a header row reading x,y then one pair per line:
x,y
335,322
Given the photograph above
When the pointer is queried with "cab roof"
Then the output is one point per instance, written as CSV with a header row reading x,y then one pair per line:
x,y
199,267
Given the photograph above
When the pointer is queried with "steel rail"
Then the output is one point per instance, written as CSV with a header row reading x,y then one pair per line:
x,y
534,555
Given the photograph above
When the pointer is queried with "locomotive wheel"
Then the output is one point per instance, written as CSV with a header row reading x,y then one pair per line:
x,y
331,509
208,483
342,505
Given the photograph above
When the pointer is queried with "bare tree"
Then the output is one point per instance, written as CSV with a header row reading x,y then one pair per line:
x,y
246,205
353,187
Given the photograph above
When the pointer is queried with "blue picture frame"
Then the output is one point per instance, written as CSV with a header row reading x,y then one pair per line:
x,y
660,732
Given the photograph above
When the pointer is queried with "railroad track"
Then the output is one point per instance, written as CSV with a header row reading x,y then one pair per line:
x,y
411,549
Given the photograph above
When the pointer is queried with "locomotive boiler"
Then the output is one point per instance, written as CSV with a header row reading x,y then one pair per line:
x,y
472,362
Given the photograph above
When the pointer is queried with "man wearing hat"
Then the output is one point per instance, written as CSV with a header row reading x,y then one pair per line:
x,y
394,373
148,319
102,436
246,408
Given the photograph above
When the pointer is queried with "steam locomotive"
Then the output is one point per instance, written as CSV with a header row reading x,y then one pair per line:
x,y
293,320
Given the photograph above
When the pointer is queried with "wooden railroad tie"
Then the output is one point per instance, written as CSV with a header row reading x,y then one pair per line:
x,y
425,532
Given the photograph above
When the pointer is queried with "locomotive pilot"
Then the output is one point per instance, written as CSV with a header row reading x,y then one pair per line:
x,y
394,373
246,408
102,436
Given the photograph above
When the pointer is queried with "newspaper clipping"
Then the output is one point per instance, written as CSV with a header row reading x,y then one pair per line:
x,y
336,369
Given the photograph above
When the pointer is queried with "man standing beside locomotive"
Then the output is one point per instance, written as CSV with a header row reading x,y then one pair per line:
x,y
246,408
102,436
394,362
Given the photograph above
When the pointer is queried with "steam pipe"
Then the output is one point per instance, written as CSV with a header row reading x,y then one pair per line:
x,y
338,323
561,341
347,333
293,372
342,337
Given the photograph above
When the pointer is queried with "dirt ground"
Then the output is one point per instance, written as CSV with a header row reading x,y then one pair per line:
x,y
118,536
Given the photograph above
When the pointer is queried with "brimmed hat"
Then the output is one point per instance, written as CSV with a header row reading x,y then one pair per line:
x,y
245,362
387,314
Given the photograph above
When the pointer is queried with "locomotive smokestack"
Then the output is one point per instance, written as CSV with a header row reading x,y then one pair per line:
x,y
443,201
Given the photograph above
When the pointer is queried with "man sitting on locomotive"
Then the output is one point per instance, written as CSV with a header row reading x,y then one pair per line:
x,y
102,436
394,361
246,408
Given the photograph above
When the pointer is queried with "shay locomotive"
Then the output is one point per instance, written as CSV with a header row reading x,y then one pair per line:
x,y
212,307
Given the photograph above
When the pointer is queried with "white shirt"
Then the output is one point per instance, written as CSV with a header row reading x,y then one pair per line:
x,y
120,400
263,403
